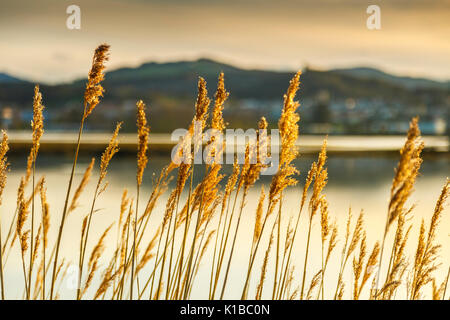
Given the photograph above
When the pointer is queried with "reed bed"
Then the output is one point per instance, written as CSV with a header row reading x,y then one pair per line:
x,y
153,258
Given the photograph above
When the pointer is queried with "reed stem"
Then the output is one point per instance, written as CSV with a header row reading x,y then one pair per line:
x,y
234,243
2,283
133,261
186,229
84,243
306,258
66,202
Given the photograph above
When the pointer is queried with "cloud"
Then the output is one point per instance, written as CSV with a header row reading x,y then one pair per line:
x,y
265,33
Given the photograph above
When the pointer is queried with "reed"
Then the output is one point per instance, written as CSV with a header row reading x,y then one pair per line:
x,y
403,182
45,229
317,199
165,259
351,242
225,205
427,250
4,147
22,234
143,131
288,126
37,127
92,94
107,155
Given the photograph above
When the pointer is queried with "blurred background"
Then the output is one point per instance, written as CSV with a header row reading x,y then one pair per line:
x,y
355,80
356,83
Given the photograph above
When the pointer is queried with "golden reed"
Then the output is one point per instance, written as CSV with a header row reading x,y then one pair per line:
x,y
206,214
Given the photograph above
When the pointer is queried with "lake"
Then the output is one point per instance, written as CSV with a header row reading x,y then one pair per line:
x,y
356,181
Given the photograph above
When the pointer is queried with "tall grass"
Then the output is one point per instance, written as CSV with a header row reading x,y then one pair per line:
x,y
93,92
163,261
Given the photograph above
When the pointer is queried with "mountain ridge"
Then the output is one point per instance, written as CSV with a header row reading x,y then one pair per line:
x,y
5,77
207,65
407,81
350,102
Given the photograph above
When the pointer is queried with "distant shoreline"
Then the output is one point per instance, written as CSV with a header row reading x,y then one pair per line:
x,y
62,142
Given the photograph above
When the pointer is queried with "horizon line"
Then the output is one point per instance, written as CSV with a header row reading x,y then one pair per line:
x,y
196,58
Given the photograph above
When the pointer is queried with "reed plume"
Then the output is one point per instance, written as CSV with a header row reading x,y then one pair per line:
x,y
398,261
183,152
427,251
358,266
110,151
217,121
143,131
320,181
201,115
202,103
23,235
258,217
108,278
288,127
403,182
350,244
368,270
289,133
4,148
314,283
94,89
83,183
259,288
437,291
96,253
142,159
92,95
325,231
23,209
406,172
37,242
45,228
148,252
177,259
37,127
182,158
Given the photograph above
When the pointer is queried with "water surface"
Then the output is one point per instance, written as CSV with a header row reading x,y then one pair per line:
x,y
359,182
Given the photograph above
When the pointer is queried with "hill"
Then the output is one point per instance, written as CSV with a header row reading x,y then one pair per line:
x,y
408,82
6,78
360,100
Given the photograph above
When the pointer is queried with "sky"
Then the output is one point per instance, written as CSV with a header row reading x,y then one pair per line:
x,y
414,38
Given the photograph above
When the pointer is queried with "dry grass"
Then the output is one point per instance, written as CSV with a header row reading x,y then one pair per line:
x,y
209,220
